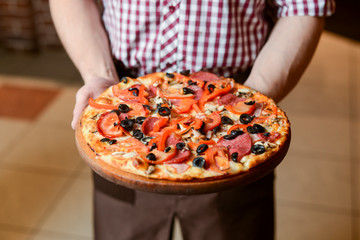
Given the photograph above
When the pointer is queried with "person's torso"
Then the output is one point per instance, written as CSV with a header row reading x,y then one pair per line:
x,y
174,35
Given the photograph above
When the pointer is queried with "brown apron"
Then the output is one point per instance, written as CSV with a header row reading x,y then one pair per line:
x,y
240,213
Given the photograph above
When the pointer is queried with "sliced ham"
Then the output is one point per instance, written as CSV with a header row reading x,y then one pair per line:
x,y
175,101
271,138
123,116
241,144
172,140
181,156
258,109
179,167
256,137
152,92
148,125
205,76
198,91
229,99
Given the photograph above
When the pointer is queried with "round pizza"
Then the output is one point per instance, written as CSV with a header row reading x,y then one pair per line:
x,y
181,126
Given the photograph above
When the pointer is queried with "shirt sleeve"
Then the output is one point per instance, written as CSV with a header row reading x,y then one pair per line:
x,y
318,8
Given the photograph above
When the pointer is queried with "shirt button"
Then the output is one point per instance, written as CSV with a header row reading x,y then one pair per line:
x,y
172,9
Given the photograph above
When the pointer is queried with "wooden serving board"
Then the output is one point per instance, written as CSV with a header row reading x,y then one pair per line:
x,y
136,182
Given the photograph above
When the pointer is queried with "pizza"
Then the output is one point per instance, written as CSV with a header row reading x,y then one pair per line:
x,y
182,126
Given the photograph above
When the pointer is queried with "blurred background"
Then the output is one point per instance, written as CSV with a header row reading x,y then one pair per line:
x,y
46,189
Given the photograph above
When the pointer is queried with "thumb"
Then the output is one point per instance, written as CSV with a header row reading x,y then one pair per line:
x,y
81,103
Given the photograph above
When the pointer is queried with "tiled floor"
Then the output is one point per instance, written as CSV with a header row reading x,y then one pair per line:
x,y
46,189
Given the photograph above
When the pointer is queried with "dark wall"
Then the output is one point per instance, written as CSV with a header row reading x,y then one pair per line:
x,y
346,20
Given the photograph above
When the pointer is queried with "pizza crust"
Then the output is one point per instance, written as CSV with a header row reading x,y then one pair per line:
x,y
133,161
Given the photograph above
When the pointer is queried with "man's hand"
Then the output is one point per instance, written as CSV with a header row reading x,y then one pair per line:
x,y
91,89
285,56
85,40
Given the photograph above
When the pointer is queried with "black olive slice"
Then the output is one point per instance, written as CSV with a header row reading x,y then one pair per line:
x,y
187,90
146,140
236,132
124,108
234,156
124,80
216,129
104,140
110,141
190,82
229,137
116,111
164,111
258,149
199,162
147,107
127,124
266,134
140,120
201,130
202,148
245,118
226,120
153,146
167,149
180,146
250,103
170,75
151,157
211,88
135,91
256,128
259,128
185,72
251,129
138,134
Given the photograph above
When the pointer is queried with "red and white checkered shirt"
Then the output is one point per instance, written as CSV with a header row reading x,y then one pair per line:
x,y
174,35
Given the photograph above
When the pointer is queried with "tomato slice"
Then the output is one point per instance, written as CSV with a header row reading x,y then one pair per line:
x,y
197,124
217,158
221,87
184,105
161,156
130,145
143,94
109,125
213,120
222,162
241,108
136,95
168,95
159,124
153,125
194,146
237,126
160,137
196,108
94,104
137,110
184,79
165,134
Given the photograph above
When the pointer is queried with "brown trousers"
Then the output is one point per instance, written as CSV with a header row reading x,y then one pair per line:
x,y
241,213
